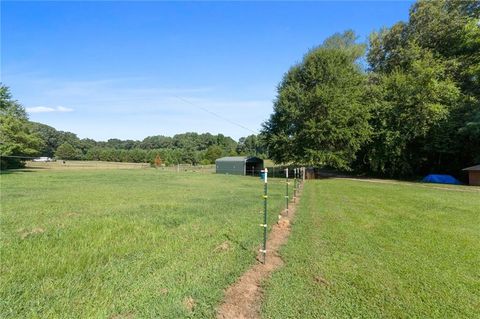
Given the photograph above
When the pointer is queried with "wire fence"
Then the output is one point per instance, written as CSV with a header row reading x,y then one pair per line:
x,y
298,178
48,163
278,174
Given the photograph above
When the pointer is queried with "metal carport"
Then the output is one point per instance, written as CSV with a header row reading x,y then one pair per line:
x,y
239,165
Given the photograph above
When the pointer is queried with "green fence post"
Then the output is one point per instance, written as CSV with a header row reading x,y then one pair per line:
x,y
294,185
265,198
286,190
299,178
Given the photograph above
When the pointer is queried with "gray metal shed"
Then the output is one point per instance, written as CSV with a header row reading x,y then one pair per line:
x,y
239,165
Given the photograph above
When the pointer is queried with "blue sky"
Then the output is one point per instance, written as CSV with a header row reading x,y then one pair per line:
x,y
133,69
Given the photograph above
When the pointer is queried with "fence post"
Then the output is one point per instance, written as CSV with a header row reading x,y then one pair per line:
x,y
286,190
264,225
300,180
294,185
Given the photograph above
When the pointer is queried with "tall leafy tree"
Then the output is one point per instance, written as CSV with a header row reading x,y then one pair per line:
x,y
406,106
50,136
320,116
16,139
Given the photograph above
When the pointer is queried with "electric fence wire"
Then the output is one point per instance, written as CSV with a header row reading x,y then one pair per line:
x,y
215,114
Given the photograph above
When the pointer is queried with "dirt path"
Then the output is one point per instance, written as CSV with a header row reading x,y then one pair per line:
x,y
243,299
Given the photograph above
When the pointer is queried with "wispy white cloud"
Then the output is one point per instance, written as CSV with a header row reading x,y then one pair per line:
x,y
64,109
47,109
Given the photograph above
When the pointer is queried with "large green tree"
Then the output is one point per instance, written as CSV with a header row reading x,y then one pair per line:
x,y
438,53
16,139
320,116
406,105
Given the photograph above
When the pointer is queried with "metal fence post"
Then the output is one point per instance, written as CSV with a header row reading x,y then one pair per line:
x,y
265,198
286,190
300,176
294,185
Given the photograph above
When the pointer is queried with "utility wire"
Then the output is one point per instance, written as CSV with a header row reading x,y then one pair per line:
x,y
215,114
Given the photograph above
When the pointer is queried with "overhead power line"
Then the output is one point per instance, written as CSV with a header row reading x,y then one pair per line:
x,y
215,114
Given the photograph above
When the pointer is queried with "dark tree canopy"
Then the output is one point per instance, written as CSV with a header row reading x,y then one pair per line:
x,y
415,110
428,67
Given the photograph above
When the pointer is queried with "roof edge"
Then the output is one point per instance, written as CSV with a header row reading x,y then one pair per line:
x,y
472,168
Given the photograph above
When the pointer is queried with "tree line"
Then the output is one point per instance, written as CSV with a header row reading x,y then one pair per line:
x,y
37,139
22,138
405,103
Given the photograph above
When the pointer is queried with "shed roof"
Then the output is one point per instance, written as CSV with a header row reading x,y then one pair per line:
x,y
472,168
237,159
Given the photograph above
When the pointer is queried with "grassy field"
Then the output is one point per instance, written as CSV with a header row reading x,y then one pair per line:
x,y
91,241
69,165
130,243
375,250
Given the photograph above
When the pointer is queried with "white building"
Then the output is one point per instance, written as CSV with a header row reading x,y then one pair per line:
x,y
43,159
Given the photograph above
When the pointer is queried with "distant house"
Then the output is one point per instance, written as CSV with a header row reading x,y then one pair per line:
x,y
43,159
239,165
473,175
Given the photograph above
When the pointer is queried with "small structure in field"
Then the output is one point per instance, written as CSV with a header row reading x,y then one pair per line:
x,y
473,175
239,165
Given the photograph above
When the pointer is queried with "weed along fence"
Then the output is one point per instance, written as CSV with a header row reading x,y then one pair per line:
x,y
298,179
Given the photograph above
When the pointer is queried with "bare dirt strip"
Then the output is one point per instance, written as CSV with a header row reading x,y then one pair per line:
x,y
243,299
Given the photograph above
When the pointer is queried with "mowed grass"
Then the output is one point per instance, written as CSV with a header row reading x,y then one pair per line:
x,y
374,250
136,243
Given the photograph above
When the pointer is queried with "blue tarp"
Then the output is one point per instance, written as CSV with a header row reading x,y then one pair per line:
x,y
441,179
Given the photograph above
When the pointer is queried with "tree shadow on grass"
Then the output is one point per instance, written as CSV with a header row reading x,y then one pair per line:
x,y
21,170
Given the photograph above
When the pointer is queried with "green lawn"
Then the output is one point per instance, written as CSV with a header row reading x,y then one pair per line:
x,y
138,243
371,250
145,243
